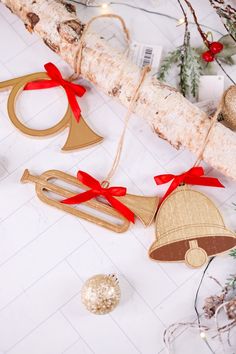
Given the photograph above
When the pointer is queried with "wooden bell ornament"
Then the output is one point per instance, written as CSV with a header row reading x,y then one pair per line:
x,y
52,185
189,228
80,134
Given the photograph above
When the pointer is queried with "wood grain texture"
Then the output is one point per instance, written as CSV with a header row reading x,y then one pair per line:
x,y
189,228
144,208
170,115
80,134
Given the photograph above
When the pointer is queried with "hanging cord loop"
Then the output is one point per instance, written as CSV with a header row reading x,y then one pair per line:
x,y
214,120
133,101
79,52
129,112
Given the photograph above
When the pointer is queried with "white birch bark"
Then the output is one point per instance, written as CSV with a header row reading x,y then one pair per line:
x,y
170,115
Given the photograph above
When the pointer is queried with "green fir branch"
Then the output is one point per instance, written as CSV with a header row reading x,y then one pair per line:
x,y
195,70
231,27
170,59
188,61
183,74
231,282
233,253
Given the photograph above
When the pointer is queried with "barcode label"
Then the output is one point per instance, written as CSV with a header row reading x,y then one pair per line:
x,y
147,56
143,54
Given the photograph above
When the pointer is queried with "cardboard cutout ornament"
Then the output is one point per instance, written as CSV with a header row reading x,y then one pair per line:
x,y
80,134
53,183
189,228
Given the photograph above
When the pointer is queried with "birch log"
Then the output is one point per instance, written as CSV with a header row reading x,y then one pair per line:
x,y
170,115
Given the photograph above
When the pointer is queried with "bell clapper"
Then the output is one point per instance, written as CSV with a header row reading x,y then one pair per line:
x,y
195,257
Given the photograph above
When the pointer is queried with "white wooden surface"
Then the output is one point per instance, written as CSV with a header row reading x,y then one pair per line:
x,y
45,255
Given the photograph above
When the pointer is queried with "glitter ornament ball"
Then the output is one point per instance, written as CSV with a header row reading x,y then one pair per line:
x,y
101,294
229,108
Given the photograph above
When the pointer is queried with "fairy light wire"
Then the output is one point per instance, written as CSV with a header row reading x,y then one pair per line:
x,y
105,6
196,304
179,21
169,333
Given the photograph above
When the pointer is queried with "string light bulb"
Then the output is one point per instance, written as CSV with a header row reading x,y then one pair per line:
x,y
203,335
104,5
180,22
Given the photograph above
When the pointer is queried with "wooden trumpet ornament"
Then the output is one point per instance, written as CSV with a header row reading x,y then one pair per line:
x,y
80,134
52,185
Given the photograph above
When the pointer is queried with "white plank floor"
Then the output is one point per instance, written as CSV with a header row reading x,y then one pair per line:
x,y
45,255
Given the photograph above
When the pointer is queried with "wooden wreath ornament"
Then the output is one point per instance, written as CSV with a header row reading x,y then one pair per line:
x,y
80,134
189,227
143,207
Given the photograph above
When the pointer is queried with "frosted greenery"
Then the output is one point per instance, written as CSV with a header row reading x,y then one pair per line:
x,y
189,63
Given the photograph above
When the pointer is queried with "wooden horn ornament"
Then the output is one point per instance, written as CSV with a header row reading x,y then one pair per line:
x,y
80,134
144,208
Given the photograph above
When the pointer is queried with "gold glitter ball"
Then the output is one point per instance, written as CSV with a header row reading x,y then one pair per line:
x,y
101,293
229,108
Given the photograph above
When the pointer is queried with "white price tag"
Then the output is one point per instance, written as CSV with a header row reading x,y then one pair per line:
x,y
211,87
207,106
145,54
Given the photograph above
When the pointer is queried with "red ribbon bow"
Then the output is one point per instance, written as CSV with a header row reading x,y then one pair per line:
x,y
192,176
97,190
72,90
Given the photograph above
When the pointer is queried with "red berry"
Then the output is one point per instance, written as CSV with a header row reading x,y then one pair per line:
x,y
208,56
216,47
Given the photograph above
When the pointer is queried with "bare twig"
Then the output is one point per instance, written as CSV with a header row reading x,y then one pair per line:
x,y
228,11
204,37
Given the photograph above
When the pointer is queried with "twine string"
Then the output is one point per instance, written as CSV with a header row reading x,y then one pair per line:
x,y
214,120
79,52
77,69
129,112
134,98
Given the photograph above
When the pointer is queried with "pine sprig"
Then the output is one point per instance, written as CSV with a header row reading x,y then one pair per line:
x,y
195,70
183,80
233,253
170,59
227,13
183,74
188,61
231,26
231,282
